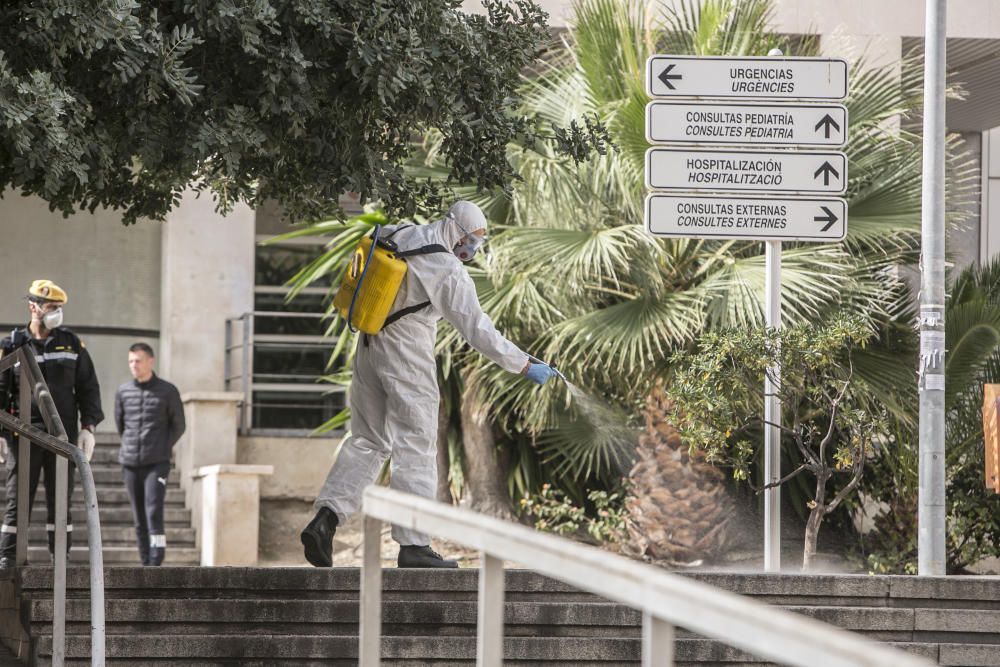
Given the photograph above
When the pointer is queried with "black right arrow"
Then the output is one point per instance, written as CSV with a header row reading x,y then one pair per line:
x,y
666,77
829,219
826,122
826,169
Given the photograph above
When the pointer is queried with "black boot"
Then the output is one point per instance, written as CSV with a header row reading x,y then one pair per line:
x,y
142,541
52,544
414,556
157,549
8,550
317,538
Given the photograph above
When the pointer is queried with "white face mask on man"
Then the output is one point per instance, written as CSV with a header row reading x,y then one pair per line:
x,y
53,318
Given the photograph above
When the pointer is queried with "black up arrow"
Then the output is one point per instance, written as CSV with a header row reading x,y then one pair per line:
x,y
826,170
826,122
666,77
829,219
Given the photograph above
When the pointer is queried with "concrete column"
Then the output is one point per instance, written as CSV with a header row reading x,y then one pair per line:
x,y
207,272
989,245
210,437
230,513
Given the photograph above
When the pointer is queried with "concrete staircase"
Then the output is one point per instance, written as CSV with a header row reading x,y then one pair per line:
x,y
117,528
300,616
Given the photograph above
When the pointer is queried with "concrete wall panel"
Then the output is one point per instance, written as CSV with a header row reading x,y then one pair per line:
x,y
110,272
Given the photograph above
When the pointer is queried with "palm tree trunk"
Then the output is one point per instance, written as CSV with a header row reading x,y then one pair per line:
x,y
484,480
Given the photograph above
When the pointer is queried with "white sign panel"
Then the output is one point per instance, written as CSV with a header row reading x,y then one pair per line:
x,y
759,218
745,171
753,124
747,77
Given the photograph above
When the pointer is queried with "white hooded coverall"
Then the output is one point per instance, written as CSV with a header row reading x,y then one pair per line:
x,y
394,392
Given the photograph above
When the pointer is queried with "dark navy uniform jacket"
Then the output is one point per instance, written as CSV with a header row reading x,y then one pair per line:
x,y
68,371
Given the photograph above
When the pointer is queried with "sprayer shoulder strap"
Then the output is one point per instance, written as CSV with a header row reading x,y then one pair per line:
x,y
422,250
409,310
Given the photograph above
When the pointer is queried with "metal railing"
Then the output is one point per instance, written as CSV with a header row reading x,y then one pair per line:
x,y
242,340
32,385
666,600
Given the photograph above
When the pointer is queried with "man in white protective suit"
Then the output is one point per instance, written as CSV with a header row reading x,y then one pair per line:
x,y
394,391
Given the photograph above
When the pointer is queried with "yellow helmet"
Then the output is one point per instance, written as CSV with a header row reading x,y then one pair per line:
x,y
48,290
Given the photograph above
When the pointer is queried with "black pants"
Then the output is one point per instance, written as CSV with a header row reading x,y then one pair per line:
x,y
147,490
41,459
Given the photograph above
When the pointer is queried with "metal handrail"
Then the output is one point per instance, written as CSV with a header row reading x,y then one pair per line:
x,y
242,344
665,599
33,385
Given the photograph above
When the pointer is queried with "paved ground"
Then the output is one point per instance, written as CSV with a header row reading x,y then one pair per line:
x,y
280,545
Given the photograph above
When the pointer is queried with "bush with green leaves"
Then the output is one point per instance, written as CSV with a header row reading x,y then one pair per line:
x,y
602,520
717,393
972,336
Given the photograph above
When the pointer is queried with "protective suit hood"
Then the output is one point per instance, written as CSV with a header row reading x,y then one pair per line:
x,y
463,215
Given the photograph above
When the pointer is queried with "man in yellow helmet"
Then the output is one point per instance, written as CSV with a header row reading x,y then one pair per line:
x,y
72,381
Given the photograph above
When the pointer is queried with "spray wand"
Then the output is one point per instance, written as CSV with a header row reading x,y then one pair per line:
x,y
554,369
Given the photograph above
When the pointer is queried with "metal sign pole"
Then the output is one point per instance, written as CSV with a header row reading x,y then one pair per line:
x,y
707,184
931,533
772,416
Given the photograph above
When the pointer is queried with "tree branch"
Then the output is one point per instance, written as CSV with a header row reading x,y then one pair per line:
x,y
829,432
784,479
844,492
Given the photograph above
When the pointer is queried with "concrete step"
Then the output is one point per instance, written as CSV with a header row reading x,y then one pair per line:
x,y
309,616
337,617
124,554
116,495
114,533
116,514
794,590
429,650
106,495
239,647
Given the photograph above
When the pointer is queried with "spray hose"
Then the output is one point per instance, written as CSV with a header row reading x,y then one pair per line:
x,y
361,280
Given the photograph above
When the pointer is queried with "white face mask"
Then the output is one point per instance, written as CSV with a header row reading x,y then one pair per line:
x,y
467,247
53,319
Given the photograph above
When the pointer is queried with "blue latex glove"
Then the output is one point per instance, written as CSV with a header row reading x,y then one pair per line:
x,y
539,373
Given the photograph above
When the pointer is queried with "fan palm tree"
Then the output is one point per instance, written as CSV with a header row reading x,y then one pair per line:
x,y
573,277
972,336
577,278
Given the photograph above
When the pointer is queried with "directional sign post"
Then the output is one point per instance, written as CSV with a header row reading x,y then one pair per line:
x,y
744,123
759,78
746,171
704,186
757,218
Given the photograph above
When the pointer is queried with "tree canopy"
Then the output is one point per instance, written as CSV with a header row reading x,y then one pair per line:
x,y
125,104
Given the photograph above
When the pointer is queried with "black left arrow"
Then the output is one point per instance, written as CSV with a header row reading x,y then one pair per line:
x,y
829,218
826,170
826,122
666,77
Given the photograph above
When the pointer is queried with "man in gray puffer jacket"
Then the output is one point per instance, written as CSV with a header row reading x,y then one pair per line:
x,y
150,419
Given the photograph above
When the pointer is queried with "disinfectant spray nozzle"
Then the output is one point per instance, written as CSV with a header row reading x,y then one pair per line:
x,y
555,370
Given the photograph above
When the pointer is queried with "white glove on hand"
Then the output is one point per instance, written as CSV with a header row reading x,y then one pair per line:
x,y
3,450
86,442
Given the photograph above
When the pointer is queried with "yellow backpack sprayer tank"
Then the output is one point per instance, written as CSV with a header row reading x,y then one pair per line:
x,y
372,281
